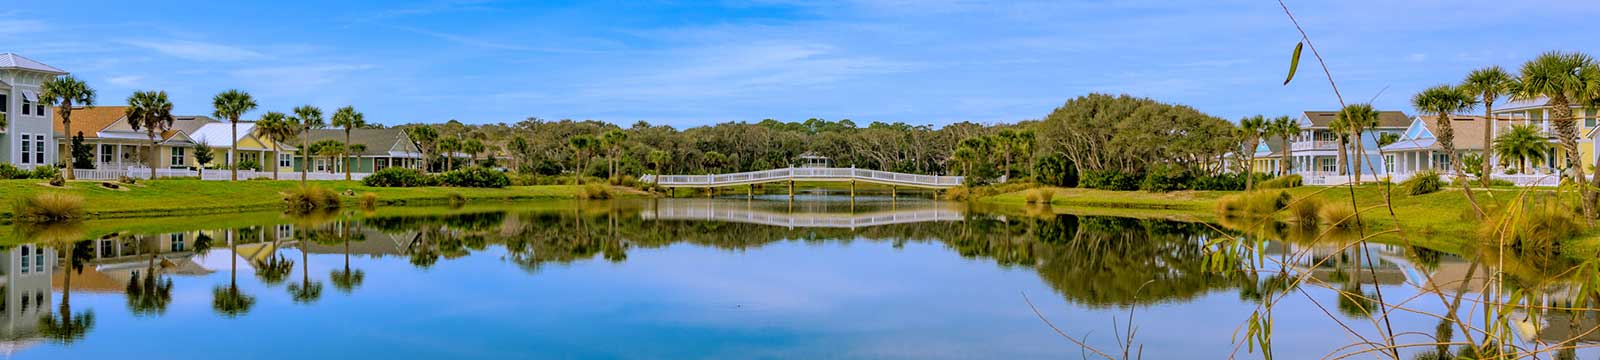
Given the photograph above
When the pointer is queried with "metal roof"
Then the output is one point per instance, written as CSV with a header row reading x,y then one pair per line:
x,y
14,61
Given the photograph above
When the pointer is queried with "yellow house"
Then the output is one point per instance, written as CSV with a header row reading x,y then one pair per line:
x,y
1537,113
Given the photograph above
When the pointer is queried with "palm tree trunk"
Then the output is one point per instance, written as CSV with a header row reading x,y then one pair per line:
x,y
1569,143
1447,140
305,153
275,169
1488,142
233,154
66,127
152,155
1249,166
1343,158
347,154
1284,159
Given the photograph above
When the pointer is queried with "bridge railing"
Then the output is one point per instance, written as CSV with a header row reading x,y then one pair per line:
x,y
804,174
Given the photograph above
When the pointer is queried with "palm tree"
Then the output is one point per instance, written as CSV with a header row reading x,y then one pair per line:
x,y
330,149
1285,127
658,158
1521,143
1355,118
276,127
65,239
580,146
309,117
449,146
473,147
519,149
348,118
63,92
1251,129
1443,101
229,301
149,294
1005,147
1488,84
305,292
613,141
152,111
714,161
232,105
1565,79
425,137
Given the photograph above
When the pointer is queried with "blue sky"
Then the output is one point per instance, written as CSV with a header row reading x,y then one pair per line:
x,y
689,63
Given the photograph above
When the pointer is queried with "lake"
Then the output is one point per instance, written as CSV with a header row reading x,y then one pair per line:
x,y
821,277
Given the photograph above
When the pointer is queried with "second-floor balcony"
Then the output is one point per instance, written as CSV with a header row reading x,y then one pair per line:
x,y
1314,145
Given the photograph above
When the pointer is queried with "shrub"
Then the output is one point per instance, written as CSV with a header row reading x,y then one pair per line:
x,y
1110,180
1538,230
7,171
1166,178
1222,182
310,198
1040,196
369,201
1253,203
1305,211
44,172
1338,215
1056,170
477,177
398,177
959,193
1426,182
1281,182
48,207
594,191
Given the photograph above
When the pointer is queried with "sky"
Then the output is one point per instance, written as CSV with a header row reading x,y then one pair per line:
x,y
690,63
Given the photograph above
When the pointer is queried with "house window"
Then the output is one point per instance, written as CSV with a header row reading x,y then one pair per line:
x,y
285,160
25,266
1326,165
38,259
5,103
177,242
27,106
32,149
108,153
39,109
285,231
177,158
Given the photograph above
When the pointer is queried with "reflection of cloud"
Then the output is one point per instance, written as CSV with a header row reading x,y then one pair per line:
x,y
195,50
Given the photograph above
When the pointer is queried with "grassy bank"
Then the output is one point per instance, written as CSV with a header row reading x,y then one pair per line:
x,y
1444,217
188,197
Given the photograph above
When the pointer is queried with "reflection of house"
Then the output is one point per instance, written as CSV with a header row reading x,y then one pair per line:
x,y
1335,263
26,287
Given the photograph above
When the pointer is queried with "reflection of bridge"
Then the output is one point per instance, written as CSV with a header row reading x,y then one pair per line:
x,y
729,211
807,174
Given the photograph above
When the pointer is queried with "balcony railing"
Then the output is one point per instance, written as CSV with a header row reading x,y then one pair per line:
x,y
1314,145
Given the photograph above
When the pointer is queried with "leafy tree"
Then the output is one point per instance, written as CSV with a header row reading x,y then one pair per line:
x,y
63,92
82,154
473,147
348,118
202,156
1387,139
581,146
1251,129
658,158
1128,134
613,141
232,105
519,149
151,111
449,146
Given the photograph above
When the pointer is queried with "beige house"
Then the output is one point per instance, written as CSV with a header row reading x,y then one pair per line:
x,y
116,145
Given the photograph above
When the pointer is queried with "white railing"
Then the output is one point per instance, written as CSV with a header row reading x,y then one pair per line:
x,y
805,174
1314,145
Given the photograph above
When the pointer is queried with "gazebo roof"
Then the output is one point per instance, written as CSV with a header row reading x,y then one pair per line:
x,y
811,155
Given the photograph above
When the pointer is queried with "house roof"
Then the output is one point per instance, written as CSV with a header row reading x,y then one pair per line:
x,y
1386,119
14,61
90,120
1468,130
218,134
121,129
379,142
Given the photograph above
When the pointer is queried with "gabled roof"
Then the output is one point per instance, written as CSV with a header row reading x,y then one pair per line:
x,y
1468,134
90,120
218,134
379,142
1386,119
121,129
14,61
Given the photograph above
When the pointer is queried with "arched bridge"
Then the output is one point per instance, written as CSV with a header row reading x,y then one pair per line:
x,y
807,174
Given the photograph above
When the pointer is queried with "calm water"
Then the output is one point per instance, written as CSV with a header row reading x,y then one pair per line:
x,y
679,278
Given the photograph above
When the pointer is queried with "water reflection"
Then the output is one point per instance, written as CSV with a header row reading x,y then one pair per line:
x,y
1094,263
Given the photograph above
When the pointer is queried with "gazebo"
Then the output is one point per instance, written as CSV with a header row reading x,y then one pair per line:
x,y
812,160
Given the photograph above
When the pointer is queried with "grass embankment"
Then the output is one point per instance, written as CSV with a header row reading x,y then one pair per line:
x,y
188,197
1443,219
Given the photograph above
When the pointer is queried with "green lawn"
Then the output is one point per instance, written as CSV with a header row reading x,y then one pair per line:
x,y
177,197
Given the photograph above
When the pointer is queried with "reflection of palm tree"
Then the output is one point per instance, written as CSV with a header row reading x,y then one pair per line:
x,y
229,301
68,327
348,279
148,293
306,292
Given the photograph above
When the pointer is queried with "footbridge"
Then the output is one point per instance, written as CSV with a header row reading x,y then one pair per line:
x,y
807,174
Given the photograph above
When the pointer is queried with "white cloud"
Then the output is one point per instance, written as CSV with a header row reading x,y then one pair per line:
x,y
195,50
19,27
128,81
296,79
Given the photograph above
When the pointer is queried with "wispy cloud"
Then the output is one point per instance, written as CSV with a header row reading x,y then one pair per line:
x,y
128,81
297,78
195,50
486,43
19,27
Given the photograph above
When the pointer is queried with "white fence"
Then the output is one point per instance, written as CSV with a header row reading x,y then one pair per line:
x,y
1327,179
144,173
805,174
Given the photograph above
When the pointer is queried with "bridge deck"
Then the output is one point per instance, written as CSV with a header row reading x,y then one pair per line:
x,y
808,174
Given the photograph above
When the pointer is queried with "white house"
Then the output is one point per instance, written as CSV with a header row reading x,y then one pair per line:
x,y
27,139
1313,153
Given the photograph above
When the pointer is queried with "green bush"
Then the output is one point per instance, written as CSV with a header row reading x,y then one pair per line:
x,y
478,177
1166,178
309,198
1306,210
398,177
1258,203
1282,182
1056,170
1110,180
594,191
7,171
1426,182
44,173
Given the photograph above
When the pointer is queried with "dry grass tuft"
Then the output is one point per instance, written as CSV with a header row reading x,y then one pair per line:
x,y
50,207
